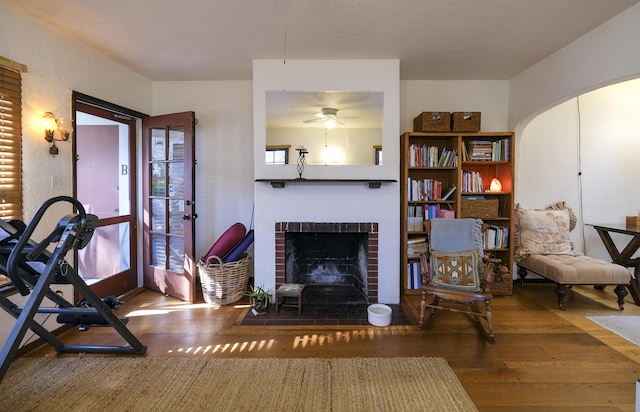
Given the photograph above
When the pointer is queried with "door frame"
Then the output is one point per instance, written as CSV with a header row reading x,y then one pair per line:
x,y
110,285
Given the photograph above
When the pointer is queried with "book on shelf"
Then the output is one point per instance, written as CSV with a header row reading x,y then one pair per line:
x,y
414,275
465,154
472,182
496,237
501,150
414,250
424,189
439,211
480,150
487,150
448,192
415,217
422,155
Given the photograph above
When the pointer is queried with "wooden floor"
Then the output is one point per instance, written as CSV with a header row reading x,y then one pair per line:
x,y
544,359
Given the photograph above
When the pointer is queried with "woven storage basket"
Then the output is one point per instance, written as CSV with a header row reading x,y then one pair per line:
x,y
479,208
503,288
465,121
432,122
224,283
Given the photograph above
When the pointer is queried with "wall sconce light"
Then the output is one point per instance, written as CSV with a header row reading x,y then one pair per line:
x,y
496,186
52,126
302,160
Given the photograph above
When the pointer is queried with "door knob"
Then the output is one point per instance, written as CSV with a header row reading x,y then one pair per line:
x,y
186,217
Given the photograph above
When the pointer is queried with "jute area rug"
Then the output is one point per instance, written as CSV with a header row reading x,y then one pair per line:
x,y
209,384
626,326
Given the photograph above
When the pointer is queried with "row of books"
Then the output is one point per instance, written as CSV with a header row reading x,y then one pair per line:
x,y
424,189
472,182
487,150
428,189
417,214
496,237
414,275
421,155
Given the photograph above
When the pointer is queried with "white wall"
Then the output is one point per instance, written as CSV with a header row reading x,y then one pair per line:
x,y
491,98
596,135
605,55
224,151
329,202
56,67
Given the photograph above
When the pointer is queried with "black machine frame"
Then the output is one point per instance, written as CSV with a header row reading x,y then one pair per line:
x,y
33,269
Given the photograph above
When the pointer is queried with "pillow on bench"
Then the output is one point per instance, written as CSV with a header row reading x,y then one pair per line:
x,y
544,232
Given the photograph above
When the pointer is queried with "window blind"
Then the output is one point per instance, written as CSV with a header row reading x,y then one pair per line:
x,y
10,144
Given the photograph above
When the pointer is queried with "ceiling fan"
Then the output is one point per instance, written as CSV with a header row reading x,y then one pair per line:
x,y
329,116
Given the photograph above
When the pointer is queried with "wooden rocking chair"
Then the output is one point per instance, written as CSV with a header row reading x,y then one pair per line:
x,y
456,271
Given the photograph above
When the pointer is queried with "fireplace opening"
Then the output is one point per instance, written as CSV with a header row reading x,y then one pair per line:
x,y
332,266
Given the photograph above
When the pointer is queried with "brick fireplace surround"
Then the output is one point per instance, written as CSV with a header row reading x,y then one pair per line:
x,y
370,228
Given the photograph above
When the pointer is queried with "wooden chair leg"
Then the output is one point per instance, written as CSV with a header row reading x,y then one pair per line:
x,y
486,325
423,312
423,307
489,316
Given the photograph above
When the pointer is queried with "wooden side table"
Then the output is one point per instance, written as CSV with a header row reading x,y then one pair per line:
x,y
624,257
289,290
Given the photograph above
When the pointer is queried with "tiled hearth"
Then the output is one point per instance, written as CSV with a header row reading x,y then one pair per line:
x,y
368,228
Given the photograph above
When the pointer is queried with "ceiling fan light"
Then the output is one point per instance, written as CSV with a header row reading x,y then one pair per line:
x,y
330,123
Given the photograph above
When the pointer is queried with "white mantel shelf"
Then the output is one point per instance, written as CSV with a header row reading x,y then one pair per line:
x,y
280,183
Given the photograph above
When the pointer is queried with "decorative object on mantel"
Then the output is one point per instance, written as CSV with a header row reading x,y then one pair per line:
x,y
302,160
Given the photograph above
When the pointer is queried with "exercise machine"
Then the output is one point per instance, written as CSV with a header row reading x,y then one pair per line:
x,y
32,269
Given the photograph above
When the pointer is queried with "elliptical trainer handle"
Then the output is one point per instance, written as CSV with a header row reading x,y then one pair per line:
x,y
12,262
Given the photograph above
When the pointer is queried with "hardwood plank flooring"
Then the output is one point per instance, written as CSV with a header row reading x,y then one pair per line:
x,y
544,359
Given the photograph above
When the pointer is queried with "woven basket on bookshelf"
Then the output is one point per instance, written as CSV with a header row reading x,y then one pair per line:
x,y
465,121
479,208
224,283
432,122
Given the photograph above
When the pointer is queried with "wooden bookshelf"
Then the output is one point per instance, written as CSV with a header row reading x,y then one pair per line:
x,y
424,177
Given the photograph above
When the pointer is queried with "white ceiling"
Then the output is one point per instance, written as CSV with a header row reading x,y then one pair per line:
x,y
218,39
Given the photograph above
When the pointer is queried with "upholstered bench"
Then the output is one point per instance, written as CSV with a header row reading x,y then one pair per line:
x,y
578,269
542,246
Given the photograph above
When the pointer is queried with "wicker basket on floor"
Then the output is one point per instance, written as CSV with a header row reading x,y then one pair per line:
x,y
224,283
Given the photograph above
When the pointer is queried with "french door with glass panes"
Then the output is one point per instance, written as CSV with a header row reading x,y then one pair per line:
x,y
168,147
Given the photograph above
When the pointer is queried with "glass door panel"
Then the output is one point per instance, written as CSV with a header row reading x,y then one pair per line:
x,y
104,147
168,143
